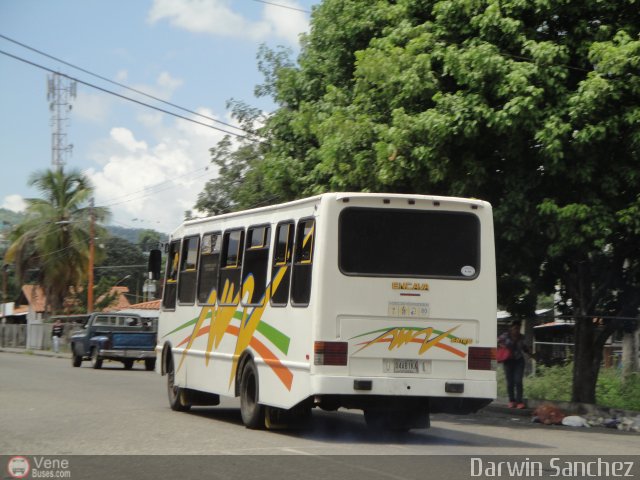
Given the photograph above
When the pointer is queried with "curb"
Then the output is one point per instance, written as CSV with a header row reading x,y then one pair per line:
x,y
570,408
37,353
501,406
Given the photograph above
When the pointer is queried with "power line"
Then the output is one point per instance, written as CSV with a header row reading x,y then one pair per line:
x,y
107,267
150,189
140,92
148,194
283,6
124,97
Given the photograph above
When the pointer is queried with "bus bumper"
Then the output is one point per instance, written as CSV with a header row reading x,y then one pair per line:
x,y
444,389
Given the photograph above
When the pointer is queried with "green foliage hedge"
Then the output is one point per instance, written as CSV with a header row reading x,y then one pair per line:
x,y
554,383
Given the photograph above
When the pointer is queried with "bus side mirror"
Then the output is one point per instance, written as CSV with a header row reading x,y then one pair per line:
x,y
155,261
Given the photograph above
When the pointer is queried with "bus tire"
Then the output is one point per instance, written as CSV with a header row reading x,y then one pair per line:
x,y
175,393
298,417
251,411
96,361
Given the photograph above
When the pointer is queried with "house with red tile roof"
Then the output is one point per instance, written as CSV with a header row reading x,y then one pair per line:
x,y
31,302
150,305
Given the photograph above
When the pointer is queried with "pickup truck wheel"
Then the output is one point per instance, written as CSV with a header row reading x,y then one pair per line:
x,y
96,361
76,360
174,392
128,364
149,364
251,411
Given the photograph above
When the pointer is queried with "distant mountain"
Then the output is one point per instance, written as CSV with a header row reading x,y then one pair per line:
x,y
130,234
8,218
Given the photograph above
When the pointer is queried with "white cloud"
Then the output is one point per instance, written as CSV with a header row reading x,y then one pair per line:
x,y
96,107
151,183
168,82
15,203
216,17
288,26
124,137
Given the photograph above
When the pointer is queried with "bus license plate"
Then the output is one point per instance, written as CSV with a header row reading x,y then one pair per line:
x,y
405,366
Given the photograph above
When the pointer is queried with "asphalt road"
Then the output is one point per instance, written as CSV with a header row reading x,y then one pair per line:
x,y
49,408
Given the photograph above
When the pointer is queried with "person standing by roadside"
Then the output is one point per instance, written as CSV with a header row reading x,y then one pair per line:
x,y
56,334
514,365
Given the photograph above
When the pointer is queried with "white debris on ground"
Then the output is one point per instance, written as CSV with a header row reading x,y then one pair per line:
x,y
575,421
623,422
551,414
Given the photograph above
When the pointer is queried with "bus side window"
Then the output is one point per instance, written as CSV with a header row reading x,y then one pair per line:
x,y
282,256
303,263
230,267
209,263
188,270
170,290
256,263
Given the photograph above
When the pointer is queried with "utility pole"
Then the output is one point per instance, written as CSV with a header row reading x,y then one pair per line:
x,y
5,267
92,235
59,92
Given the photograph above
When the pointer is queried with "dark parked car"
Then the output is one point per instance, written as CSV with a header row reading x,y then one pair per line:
x,y
124,337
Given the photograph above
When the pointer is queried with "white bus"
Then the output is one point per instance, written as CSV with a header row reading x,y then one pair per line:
x,y
379,302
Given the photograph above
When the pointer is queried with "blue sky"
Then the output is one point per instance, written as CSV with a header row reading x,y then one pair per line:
x,y
148,167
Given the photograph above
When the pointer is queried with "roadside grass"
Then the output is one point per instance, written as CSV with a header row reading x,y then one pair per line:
x,y
554,384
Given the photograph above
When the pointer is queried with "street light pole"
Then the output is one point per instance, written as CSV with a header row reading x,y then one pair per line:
x,y
91,248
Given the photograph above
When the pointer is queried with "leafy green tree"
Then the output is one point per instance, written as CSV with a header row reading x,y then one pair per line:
x,y
149,239
104,298
532,105
54,235
124,264
239,182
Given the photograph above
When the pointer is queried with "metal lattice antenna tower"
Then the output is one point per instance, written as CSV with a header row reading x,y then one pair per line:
x,y
60,90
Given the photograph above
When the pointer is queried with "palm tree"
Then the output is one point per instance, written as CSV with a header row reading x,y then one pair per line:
x,y
54,236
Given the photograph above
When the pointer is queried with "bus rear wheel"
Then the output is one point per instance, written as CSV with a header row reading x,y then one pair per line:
x,y
175,393
298,417
251,411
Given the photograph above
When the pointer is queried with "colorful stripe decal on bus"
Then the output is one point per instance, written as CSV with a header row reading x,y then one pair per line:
x,y
397,337
250,320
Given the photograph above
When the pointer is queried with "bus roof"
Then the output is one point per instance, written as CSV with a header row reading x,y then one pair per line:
x,y
338,196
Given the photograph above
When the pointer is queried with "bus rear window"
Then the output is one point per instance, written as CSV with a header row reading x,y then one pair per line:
x,y
409,243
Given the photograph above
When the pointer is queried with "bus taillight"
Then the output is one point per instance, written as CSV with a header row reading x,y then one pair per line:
x,y
330,353
482,358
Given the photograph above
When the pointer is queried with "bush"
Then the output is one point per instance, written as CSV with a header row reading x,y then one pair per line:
x,y
550,383
613,391
554,383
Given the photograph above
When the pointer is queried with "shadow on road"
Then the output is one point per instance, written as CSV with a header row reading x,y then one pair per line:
x,y
347,427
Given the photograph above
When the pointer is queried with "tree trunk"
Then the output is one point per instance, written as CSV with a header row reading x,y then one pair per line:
x,y
629,354
586,362
590,338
